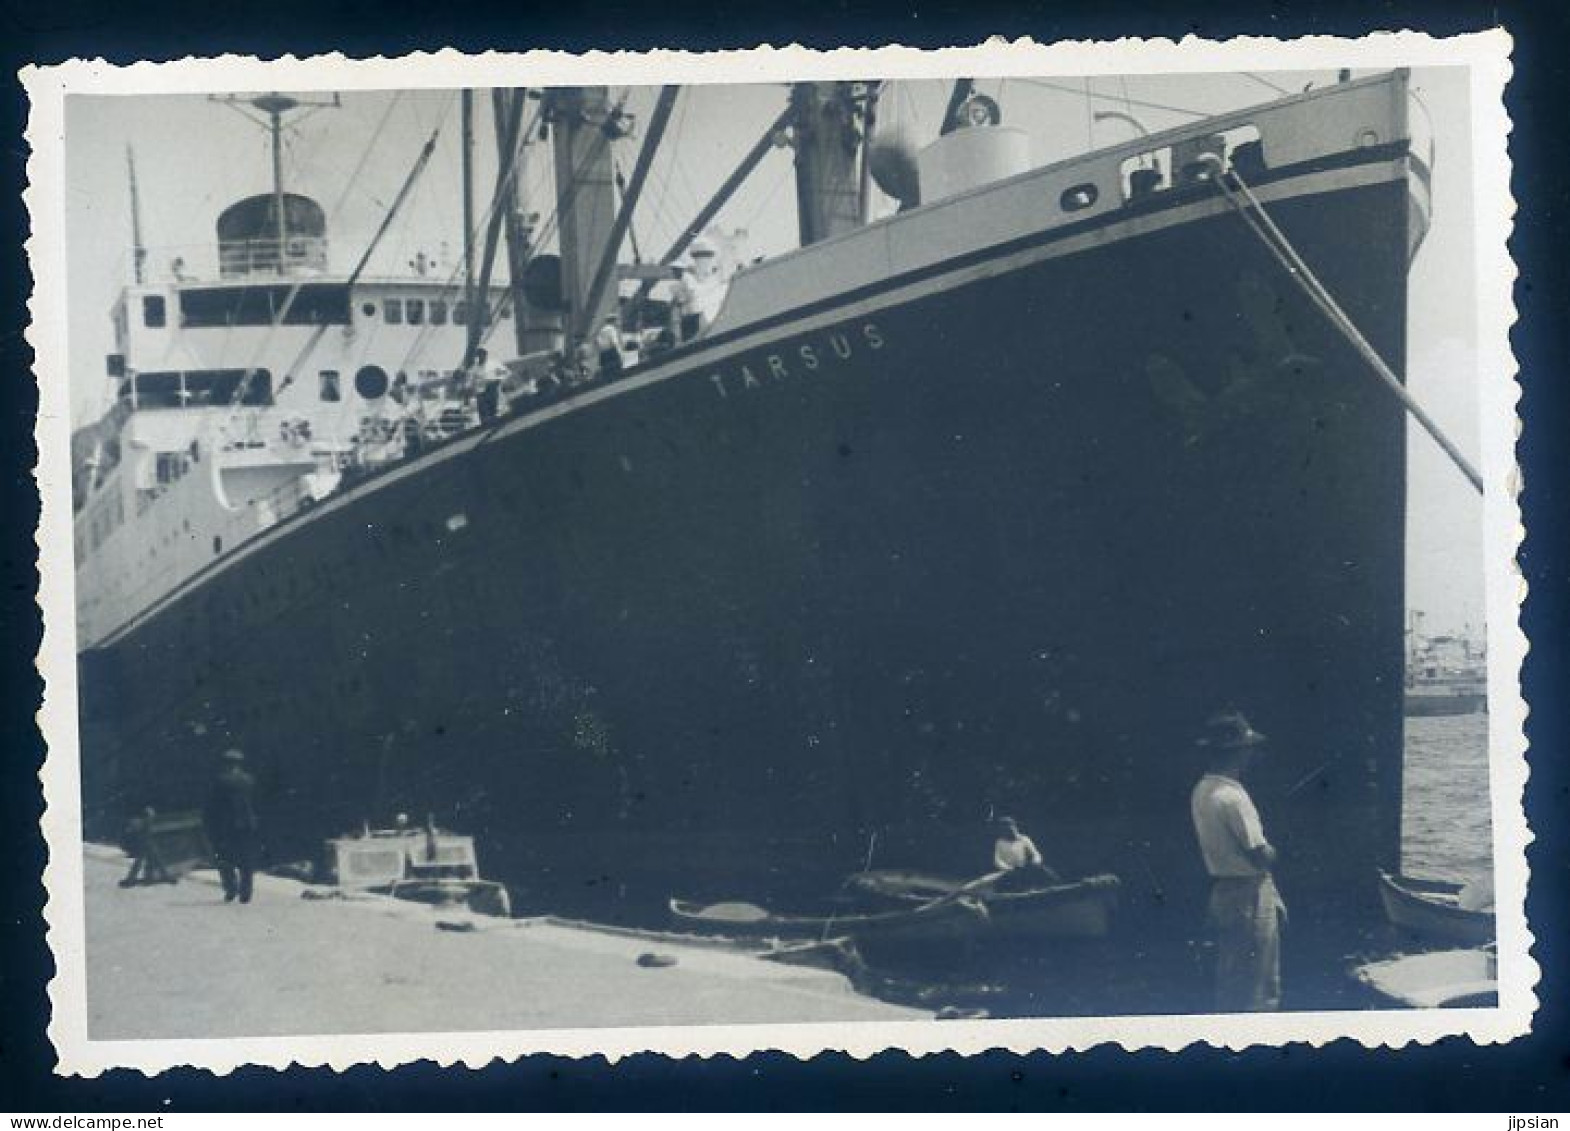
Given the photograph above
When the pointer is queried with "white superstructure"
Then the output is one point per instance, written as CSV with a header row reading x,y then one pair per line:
x,y
241,397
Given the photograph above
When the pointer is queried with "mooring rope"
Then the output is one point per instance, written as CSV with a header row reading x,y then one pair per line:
x,y
1252,210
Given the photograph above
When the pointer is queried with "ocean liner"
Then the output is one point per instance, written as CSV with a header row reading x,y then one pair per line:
x,y
978,508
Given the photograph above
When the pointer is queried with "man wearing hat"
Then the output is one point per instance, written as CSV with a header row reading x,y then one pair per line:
x,y
1246,911
230,818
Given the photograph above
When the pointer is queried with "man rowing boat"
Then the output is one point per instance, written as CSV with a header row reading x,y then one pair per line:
x,y
1015,857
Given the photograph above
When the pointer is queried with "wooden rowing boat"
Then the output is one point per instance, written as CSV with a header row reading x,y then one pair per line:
x,y
1077,909
931,920
1430,908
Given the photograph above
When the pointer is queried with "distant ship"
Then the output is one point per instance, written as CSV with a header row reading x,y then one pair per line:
x,y
978,508
1445,675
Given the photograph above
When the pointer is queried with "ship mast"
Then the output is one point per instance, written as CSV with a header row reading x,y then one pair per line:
x,y
828,141
473,317
508,114
583,124
276,106
138,248
507,111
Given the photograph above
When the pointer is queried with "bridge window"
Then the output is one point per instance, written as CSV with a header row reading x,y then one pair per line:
x,y
438,312
198,388
154,311
460,313
392,311
414,309
159,390
330,390
312,304
228,386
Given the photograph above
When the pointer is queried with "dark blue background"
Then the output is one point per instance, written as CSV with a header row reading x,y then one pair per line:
x,y
1530,1075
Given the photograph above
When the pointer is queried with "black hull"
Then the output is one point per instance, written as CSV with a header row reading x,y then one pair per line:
x,y
736,633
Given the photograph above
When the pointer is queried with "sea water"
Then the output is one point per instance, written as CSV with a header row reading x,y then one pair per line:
x,y
1445,828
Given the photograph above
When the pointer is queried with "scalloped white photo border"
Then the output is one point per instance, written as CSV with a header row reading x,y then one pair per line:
x,y
1484,54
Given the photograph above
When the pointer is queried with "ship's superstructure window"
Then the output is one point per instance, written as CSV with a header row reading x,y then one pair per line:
x,y
414,309
438,312
155,313
371,382
171,466
392,310
330,389
460,313
159,390
199,388
311,304
368,309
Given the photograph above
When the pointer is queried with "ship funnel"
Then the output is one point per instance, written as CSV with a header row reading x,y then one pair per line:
x,y
970,158
249,236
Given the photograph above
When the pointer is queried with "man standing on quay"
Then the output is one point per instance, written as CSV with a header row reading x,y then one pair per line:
x,y
230,817
1246,911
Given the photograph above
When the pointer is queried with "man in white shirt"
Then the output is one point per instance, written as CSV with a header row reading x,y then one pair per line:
x,y
1015,859
1246,911
1013,849
607,339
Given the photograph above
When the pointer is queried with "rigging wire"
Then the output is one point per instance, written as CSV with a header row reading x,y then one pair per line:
x,y
666,209
1143,103
365,258
543,235
427,331
780,180
1090,117
1263,81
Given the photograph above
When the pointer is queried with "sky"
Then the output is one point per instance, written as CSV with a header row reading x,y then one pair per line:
x,y
194,157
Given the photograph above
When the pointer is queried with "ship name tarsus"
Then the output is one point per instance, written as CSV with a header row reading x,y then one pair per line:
x,y
777,363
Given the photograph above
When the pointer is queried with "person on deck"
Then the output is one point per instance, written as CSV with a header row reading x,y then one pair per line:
x,y
686,311
230,817
485,382
607,340
1245,913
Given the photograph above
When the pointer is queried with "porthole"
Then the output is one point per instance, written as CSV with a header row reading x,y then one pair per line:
x,y
368,309
1078,198
371,382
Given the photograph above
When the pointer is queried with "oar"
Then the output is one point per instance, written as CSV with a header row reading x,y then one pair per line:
x,y
965,891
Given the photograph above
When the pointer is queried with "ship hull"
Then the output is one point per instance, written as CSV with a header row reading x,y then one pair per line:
x,y
829,598
1426,703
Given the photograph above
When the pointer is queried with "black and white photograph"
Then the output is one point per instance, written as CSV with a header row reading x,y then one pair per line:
x,y
779,551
